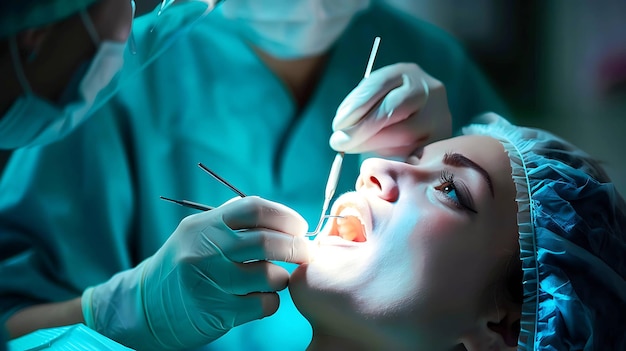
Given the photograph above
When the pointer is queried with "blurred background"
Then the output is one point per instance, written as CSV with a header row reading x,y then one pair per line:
x,y
560,64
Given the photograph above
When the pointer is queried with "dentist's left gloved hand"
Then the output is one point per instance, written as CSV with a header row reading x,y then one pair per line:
x,y
212,274
393,112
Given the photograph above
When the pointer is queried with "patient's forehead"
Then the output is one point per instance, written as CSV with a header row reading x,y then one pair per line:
x,y
479,148
483,150
467,143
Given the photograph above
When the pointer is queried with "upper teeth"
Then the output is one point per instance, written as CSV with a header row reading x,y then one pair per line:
x,y
350,211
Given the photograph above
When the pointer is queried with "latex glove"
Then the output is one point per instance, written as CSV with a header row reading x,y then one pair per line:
x,y
393,112
210,276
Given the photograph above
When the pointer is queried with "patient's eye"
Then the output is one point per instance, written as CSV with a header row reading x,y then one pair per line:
x,y
456,192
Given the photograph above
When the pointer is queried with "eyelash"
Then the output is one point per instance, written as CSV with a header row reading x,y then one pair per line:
x,y
447,181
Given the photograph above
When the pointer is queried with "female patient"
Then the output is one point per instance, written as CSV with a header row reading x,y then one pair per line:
x,y
449,251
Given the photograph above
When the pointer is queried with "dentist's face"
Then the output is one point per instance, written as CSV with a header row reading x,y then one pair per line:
x,y
59,49
420,248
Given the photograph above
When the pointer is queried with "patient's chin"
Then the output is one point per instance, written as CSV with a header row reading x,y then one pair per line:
x,y
308,298
322,307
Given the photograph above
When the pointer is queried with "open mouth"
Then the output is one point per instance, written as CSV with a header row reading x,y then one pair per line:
x,y
350,227
352,223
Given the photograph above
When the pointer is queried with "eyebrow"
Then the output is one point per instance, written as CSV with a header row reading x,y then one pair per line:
x,y
458,160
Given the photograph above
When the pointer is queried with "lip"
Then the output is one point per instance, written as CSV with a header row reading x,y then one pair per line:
x,y
337,241
353,202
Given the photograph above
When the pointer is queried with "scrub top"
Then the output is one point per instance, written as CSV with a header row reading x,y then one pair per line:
x,y
74,213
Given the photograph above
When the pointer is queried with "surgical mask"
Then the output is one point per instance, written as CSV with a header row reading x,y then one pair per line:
x,y
291,29
31,120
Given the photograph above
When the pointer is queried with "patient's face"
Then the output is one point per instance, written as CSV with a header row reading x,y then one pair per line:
x,y
419,249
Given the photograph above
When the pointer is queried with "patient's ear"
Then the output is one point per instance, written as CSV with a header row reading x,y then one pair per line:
x,y
499,332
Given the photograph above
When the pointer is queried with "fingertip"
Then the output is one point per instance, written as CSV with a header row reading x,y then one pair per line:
x,y
269,303
301,251
339,140
311,250
278,277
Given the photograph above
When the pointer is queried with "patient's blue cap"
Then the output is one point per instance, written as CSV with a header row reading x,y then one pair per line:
x,y
572,234
18,15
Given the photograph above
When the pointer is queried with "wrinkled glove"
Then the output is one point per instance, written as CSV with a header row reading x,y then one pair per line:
x,y
396,110
211,275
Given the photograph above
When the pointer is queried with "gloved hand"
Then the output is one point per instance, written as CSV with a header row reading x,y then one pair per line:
x,y
211,275
394,111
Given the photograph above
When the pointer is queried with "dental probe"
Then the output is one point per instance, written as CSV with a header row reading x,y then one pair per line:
x,y
190,204
370,62
221,180
199,206
331,186
333,177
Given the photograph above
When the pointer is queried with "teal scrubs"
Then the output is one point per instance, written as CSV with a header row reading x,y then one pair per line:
x,y
75,212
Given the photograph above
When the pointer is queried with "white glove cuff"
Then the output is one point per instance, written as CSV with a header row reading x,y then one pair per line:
x,y
85,303
115,309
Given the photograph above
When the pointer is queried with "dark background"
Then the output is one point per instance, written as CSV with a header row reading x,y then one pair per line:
x,y
560,64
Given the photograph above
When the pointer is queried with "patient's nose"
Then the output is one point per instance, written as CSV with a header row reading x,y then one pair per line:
x,y
380,176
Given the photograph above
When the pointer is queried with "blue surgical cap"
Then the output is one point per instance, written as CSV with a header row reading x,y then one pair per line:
x,y
572,234
18,15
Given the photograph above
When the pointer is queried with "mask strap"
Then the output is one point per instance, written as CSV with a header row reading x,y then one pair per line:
x,y
19,69
91,29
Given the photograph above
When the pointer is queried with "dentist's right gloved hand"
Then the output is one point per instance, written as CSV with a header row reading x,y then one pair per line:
x,y
211,275
396,110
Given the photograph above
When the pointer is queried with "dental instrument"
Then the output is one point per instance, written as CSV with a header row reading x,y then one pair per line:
x,y
199,206
221,180
370,62
190,204
335,170
331,186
